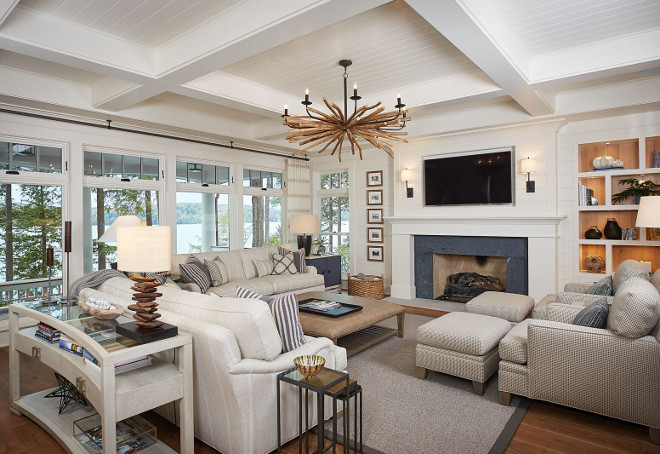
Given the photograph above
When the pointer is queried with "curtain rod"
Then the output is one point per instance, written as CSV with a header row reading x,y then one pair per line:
x,y
153,134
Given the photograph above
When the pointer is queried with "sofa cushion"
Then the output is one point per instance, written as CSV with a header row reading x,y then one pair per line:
x,y
258,285
283,283
285,313
509,306
626,270
594,315
284,264
248,256
635,309
197,274
234,264
298,258
215,268
473,334
513,346
605,286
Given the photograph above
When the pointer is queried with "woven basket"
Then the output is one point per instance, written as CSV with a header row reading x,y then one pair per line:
x,y
366,289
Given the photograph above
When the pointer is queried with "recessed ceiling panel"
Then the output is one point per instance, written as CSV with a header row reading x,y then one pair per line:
x,y
554,25
46,68
391,47
185,103
151,23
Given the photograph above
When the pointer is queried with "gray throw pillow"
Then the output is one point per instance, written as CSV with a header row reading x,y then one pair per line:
x,y
594,315
285,313
603,287
635,309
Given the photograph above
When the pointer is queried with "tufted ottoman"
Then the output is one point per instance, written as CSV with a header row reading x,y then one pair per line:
x,y
461,344
509,306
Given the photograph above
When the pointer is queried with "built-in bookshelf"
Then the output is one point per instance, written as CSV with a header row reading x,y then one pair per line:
x,y
594,191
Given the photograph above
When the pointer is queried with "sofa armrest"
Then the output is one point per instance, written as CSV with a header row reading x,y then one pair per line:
x,y
311,269
577,287
284,361
580,299
595,370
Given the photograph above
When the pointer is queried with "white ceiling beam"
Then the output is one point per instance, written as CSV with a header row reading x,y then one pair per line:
x,y
51,39
6,7
597,60
476,29
248,30
115,94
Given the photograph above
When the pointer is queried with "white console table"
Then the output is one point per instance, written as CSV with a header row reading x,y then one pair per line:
x,y
115,397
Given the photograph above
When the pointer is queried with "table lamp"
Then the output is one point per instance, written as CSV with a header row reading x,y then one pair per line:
x,y
304,225
648,214
144,250
110,235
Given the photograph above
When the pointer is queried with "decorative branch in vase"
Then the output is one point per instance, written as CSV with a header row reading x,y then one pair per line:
x,y
636,188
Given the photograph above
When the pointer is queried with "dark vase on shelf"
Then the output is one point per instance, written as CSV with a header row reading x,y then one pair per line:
x,y
593,233
612,229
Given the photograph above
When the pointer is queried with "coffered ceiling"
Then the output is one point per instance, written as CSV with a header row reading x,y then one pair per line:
x,y
224,68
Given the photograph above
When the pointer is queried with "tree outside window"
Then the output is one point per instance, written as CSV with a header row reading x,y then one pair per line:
x,y
262,221
335,215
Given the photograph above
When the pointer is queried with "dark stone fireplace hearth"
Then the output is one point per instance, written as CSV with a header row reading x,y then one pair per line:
x,y
514,249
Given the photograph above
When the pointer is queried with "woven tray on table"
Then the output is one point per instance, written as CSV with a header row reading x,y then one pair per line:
x,y
366,288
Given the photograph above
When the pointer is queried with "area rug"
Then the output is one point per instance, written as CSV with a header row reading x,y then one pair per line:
x,y
403,414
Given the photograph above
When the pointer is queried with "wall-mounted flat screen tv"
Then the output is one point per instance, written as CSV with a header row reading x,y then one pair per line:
x,y
476,178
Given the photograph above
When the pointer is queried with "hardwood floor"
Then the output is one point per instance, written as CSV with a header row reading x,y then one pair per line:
x,y
546,428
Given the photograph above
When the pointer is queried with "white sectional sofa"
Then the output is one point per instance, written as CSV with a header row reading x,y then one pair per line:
x,y
237,356
242,273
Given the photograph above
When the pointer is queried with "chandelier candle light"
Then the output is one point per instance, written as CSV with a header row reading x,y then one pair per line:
x,y
376,127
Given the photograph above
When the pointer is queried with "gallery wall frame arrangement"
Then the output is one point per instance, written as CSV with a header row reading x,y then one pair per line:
x,y
375,253
374,197
374,178
374,234
374,215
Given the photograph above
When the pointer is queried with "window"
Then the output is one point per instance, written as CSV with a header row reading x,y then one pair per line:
x,y
30,222
262,179
262,208
30,158
191,172
334,214
202,222
111,165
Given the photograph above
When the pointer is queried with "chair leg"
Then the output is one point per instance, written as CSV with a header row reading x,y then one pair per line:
x,y
504,398
654,433
422,372
478,388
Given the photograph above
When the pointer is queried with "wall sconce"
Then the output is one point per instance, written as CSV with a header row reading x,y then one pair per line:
x,y
528,166
406,175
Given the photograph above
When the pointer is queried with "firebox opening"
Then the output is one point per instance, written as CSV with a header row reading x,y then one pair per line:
x,y
478,274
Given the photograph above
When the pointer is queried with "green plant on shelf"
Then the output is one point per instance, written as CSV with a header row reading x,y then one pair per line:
x,y
636,188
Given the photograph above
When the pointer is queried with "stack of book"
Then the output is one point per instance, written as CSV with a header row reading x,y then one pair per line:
x,y
136,363
48,333
320,305
70,346
586,196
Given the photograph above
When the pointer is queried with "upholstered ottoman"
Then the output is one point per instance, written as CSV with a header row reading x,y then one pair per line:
x,y
461,344
509,306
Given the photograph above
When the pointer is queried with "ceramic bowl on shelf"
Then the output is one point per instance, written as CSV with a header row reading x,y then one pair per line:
x,y
309,365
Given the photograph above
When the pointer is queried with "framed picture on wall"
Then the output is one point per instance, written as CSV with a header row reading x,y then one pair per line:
x,y
374,215
374,234
375,253
375,178
375,197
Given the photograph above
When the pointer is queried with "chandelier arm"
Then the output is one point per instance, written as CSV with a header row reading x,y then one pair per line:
x,y
341,114
334,112
324,115
316,118
371,115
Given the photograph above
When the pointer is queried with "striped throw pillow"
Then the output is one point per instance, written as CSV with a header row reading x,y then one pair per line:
x,y
285,313
603,287
263,267
594,315
284,264
298,258
192,272
215,272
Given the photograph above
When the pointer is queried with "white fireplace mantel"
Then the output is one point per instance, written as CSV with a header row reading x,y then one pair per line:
x,y
540,231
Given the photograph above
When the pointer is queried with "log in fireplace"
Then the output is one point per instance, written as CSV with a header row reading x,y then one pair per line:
x,y
462,287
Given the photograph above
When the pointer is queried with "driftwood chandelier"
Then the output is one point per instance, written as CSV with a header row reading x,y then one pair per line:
x,y
376,127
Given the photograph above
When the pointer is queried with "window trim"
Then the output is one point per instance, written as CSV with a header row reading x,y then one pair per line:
x,y
192,160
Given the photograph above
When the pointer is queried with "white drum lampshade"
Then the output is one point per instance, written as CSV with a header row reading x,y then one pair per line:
x,y
304,225
648,214
144,249
110,235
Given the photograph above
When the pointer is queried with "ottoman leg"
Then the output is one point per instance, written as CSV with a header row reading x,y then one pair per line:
x,y
422,372
478,388
504,398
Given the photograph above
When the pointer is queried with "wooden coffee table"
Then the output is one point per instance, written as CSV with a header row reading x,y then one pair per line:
x,y
355,331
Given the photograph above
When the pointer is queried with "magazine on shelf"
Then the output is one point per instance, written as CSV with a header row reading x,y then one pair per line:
x,y
136,363
320,305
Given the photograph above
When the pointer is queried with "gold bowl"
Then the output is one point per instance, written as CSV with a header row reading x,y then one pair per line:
x,y
309,365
